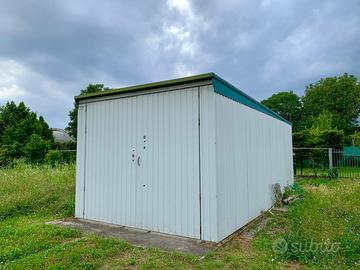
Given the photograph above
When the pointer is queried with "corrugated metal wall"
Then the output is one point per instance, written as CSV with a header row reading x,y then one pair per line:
x,y
80,161
253,151
142,162
208,164
139,160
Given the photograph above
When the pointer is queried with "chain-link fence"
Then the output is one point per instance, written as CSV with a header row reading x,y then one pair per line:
x,y
326,162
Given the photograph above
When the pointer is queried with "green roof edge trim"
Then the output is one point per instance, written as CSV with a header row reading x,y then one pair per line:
x,y
221,87
226,89
200,77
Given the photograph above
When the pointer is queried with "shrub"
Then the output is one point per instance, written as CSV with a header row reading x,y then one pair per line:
x,y
53,157
17,124
332,138
65,146
36,149
4,160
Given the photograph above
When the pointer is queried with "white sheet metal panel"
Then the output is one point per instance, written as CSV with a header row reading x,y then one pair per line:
x,y
208,164
253,151
142,162
168,175
110,171
80,161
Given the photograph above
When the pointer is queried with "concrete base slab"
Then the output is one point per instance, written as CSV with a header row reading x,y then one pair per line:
x,y
139,237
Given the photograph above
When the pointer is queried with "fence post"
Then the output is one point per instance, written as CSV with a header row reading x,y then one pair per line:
x,y
330,158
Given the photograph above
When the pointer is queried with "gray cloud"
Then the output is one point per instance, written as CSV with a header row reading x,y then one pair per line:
x,y
49,50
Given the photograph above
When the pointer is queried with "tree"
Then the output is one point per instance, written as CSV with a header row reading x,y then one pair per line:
x,y
286,104
322,133
73,114
338,95
17,125
324,121
355,139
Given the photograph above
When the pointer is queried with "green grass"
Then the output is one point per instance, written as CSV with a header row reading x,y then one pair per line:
x,y
327,211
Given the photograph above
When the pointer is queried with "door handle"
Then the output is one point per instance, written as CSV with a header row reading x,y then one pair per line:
x,y
138,161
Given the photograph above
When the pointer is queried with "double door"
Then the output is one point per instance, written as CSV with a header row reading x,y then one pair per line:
x,y
142,162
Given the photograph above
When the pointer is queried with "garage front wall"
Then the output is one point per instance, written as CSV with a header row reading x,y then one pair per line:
x,y
141,162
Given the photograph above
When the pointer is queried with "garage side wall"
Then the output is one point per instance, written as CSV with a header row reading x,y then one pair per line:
x,y
253,152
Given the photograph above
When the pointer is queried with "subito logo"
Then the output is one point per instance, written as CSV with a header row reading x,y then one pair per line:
x,y
280,246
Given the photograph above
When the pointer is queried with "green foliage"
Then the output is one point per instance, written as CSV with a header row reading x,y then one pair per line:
x,y
286,104
17,125
315,138
333,173
294,189
325,116
36,149
338,95
299,138
65,145
355,139
321,133
323,121
72,125
53,157
331,138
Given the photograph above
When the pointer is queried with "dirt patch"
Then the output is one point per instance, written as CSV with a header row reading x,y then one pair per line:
x,y
250,232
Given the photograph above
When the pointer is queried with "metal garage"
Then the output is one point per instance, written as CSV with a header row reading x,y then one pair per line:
x,y
194,157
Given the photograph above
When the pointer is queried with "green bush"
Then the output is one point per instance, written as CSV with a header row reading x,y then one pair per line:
x,y
65,146
17,125
4,159
36,149
53,157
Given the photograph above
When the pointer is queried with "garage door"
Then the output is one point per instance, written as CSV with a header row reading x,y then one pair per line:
x,y
142,162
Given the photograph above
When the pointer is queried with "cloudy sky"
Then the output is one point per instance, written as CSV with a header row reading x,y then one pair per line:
x,y
49,50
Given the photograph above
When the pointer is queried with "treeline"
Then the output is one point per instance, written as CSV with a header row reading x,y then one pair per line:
x,y
24,135
325,116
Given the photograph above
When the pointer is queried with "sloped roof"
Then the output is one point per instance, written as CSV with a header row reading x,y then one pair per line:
x,y
221,87
153,85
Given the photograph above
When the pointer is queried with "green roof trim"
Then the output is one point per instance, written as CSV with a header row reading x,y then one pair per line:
x,y
226,89
196,78
221,87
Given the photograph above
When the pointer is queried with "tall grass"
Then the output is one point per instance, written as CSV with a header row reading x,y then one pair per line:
x,y
29,189
322,229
